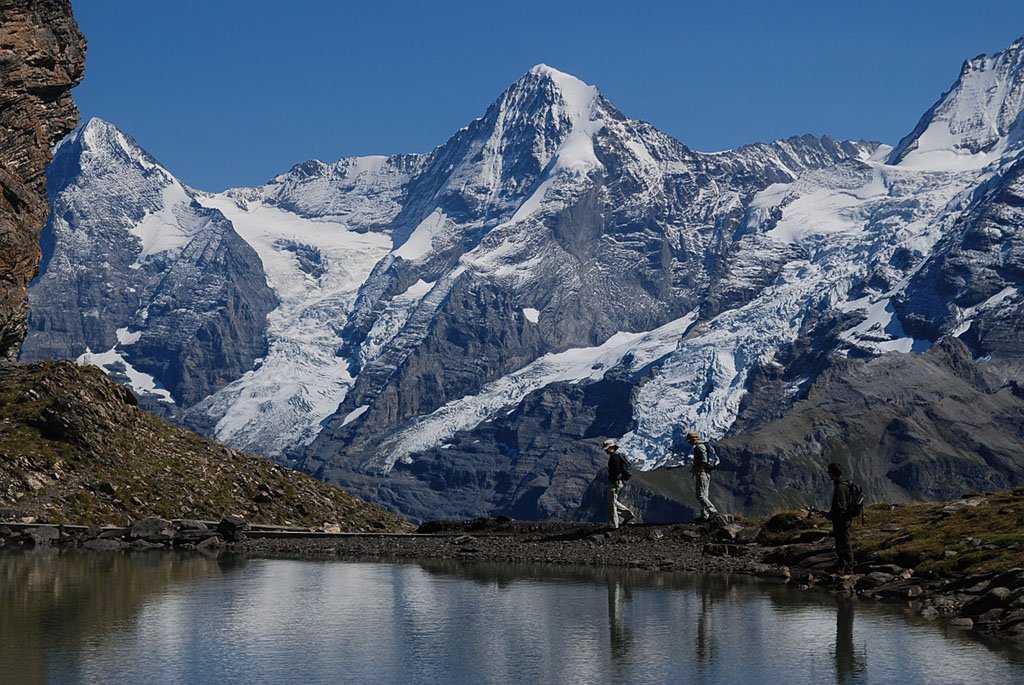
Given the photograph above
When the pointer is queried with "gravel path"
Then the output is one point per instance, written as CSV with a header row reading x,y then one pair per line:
x,y
679,547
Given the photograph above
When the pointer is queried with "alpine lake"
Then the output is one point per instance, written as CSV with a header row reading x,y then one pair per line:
x,y
162,618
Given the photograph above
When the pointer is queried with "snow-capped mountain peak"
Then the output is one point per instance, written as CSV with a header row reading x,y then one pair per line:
x,y
975,121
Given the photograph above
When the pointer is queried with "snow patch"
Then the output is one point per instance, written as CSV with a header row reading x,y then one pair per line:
x,y
125,338
636,350
141,383
420,243
881,331
355,414
162,230
532,315
967,315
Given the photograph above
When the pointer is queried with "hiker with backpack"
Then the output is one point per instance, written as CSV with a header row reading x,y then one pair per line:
x,y
704,460
847,504
618,474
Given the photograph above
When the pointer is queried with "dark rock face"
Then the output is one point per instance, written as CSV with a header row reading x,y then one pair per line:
x,y
905,427
536,462
135,266
42,56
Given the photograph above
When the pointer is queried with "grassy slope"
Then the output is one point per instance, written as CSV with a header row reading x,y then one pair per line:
x,y
943,538
75,448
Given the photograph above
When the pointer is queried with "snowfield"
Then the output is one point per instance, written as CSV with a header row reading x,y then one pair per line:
x,y
301,381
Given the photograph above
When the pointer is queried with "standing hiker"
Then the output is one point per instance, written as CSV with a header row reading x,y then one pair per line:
x,y
847,504
618,474
703,464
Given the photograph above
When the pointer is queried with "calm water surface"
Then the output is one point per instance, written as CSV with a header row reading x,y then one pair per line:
x,y
159,618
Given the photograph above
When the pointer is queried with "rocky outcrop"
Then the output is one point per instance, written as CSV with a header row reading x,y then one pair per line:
x,y
76,448
42,56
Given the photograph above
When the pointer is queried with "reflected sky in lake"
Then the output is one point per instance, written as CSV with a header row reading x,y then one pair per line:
x,y
161,618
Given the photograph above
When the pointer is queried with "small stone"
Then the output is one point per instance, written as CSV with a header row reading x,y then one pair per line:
x,y
961,622
331,528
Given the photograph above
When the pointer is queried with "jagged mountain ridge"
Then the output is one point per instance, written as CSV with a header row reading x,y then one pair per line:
x,y
506,270
191,295
279,400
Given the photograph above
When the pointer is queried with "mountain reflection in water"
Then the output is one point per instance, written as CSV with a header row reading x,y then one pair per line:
x,y
160,618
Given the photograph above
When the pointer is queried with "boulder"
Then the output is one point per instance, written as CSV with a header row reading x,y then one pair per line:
x,y
43,536
995,598
728,532
110,533
874,579
104,545
898,589
1013,579
786,521
144,546
189,524
233,528
990,617
1012,618
152,529
210,544
891,569
193,536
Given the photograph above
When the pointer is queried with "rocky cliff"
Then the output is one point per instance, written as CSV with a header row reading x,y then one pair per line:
x,y
42,56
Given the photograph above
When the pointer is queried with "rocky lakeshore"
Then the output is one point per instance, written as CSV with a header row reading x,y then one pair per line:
x,y
961,561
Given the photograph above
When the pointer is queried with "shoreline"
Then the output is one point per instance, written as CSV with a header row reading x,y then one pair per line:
x,y
985,596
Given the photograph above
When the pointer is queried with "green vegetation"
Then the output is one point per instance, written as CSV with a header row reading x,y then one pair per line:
x,y
974,535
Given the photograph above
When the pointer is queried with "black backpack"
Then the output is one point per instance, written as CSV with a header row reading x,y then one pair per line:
x,y
714,461
856,506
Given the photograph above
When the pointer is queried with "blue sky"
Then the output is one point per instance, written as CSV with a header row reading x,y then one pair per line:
x,y
231,92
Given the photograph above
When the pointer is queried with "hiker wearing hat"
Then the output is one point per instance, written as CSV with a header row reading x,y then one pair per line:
x,y
618,474
702,467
